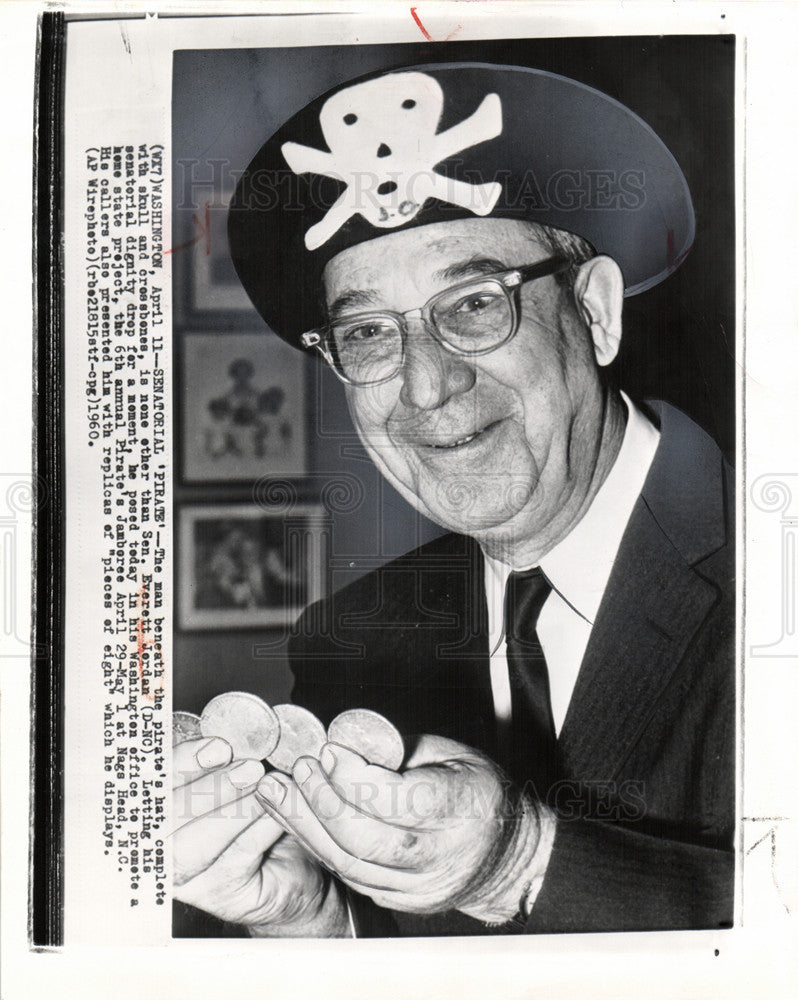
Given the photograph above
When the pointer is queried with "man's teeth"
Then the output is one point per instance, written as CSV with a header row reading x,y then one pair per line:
x,y
456,444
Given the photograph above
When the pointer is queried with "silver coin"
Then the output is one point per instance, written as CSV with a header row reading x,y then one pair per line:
x,y
301,735
185,727
247,723
369,734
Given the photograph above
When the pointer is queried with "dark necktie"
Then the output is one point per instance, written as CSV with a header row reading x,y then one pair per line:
x,y
534,738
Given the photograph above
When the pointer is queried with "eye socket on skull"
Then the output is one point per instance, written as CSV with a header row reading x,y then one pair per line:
x,y
409,103
350,119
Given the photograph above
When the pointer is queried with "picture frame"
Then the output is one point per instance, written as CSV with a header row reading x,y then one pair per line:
x,y
242,408
248,565
208,290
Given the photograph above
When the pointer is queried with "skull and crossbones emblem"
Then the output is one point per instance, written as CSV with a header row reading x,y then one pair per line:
x,y
384,146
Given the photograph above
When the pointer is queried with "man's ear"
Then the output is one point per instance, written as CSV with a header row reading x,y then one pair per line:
x,y
598,291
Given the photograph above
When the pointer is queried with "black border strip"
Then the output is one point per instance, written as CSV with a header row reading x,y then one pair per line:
x,y
45,925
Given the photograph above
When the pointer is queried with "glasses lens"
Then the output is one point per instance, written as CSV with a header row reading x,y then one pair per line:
x,y
367,348
474,317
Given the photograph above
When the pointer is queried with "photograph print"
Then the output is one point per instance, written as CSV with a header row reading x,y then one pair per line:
x,y
513,259
242,566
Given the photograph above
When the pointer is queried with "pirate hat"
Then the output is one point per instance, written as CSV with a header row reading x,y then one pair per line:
x,y
449,141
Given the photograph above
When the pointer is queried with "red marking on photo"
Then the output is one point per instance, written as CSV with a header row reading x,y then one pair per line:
x,y
424,31
421,27
204,232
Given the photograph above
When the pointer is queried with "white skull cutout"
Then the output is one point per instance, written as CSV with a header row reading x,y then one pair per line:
x,y
384,146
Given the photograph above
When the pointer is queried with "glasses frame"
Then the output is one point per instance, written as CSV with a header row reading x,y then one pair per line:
x,y
510,282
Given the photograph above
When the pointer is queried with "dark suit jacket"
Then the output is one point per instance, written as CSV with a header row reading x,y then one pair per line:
x,y
646,814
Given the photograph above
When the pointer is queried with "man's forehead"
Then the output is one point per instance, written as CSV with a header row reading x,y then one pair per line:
x,y
444,251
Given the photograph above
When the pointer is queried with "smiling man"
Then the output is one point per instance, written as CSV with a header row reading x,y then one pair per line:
x,y
520,420
566,651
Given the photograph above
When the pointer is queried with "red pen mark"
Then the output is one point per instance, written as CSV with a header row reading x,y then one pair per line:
x,y
204,232
421,27
424,31
143,643
670,249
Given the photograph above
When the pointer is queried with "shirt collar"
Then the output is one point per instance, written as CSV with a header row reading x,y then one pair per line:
x,y
579,566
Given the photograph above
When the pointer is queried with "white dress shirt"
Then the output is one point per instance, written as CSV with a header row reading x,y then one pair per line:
x,y
578,569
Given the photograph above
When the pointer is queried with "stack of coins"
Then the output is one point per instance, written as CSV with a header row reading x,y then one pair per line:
x,y
283,734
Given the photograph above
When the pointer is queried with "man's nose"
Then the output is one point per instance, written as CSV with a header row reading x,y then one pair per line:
x,y
431,374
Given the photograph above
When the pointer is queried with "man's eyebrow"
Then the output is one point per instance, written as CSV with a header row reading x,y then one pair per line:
x,y
363,297
470,267
350,299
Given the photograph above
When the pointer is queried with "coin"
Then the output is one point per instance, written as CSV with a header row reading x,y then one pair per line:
x,y
185,726
247,723
369,734
301,735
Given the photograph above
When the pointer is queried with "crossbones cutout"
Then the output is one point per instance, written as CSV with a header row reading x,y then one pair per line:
x,y
384,146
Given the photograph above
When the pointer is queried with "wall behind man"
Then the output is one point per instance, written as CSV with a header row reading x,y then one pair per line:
x,y
679,337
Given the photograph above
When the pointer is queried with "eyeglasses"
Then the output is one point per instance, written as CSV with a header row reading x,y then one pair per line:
x,y
471,318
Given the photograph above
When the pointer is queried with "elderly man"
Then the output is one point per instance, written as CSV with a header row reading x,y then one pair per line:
x,y
566,651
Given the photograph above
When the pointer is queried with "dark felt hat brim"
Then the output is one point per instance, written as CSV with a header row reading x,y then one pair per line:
x,y
567,156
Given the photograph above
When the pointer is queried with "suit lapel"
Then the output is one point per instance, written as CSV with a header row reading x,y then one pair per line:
x,y
655,602
444,643
453,590
644,626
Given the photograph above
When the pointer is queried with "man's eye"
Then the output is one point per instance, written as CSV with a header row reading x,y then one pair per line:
x,y
365,332
475,303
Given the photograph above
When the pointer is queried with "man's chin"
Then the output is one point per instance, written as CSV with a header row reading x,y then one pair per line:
x,y
465,502
472,516
474,525
470,502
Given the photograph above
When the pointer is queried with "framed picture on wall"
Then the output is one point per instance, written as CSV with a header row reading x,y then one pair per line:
x,y
248,565
243,408
207,287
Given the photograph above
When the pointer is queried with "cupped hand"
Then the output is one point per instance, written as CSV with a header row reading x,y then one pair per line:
x,y
233,860
447,832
